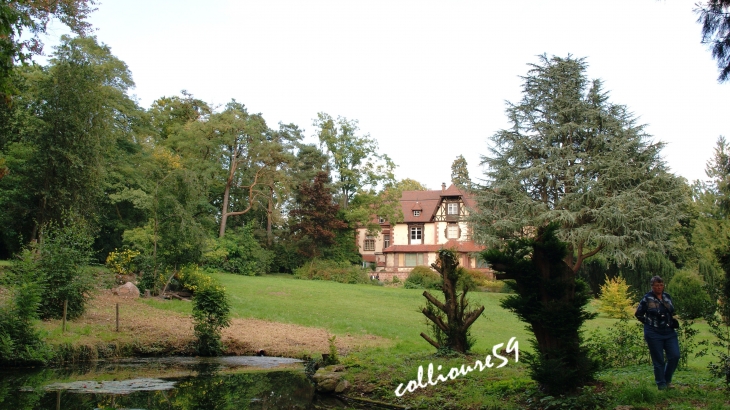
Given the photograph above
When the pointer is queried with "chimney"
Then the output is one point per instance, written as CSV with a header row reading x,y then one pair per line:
x,y
443,186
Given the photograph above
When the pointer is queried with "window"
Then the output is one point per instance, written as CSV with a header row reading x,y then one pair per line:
x,y
452,208
386,241
416,232
381,220
481,263
369,244
416,213
415,259
452,231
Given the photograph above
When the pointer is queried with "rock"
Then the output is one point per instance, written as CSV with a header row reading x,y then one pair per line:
x,y
342,386
127,290
329,381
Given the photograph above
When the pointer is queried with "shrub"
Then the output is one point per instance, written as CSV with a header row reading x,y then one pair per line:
x,y
192,278
615,300
343,272
687,289
20,341
423,277
239,252
122,262
495,286
62,257
211,313
622,344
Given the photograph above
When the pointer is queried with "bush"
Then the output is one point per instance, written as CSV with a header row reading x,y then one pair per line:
x,y
495,286
687,290
211,312
342,272
62,257
423,277
192,278
239,252
622,344
20,341
122,262
615,300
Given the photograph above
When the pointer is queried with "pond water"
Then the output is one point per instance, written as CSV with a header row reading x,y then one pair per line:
x,y
165,383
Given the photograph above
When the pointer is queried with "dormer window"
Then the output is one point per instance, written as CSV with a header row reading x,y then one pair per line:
x,y
416,213
452,208
381,220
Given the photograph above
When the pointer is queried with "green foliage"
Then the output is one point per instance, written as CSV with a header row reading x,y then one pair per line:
x,y
343,272
586,397
615,300
62,256
333,356
190,277
573,158
688,290
423,277
211,313
719,323
20,341
460,173
353,158
239,252
552,302
688,344
621,344
122,262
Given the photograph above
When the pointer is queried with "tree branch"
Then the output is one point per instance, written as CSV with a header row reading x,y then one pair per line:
x,y
435,301
429,340
435,319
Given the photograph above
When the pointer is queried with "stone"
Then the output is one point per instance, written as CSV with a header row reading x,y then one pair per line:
x,y
342,386
127,290
327,381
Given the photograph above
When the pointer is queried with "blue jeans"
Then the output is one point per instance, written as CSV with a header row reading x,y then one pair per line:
x,y
661,341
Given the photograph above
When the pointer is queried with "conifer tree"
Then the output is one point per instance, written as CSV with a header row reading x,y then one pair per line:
x,y
576,169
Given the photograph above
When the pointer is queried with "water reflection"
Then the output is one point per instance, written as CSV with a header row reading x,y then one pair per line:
x,y
171,383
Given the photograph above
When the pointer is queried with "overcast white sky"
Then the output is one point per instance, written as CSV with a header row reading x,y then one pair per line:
x,y
427,79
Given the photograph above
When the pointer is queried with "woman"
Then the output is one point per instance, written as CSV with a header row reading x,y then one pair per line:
x,y
656,312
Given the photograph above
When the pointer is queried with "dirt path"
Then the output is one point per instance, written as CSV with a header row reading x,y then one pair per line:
x,y
150,326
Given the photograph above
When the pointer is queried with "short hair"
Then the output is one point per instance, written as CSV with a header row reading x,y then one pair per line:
x,y
655,279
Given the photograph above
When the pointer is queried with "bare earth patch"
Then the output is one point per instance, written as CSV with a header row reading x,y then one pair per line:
x,y
148,325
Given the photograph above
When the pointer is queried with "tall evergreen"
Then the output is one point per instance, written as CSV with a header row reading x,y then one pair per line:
x,y
576,163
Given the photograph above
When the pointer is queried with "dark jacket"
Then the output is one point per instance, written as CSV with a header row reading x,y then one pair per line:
x,y
655,313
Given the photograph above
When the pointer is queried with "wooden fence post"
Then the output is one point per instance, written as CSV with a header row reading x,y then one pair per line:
x,y
65,308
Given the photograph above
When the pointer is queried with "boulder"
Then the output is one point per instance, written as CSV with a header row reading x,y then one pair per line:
x,y
331,379
127,290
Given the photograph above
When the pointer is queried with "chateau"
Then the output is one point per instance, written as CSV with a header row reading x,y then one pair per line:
x,y
432,220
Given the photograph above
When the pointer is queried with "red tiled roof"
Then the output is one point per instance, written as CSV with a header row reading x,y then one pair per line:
x,y
368,258
427,202
467,246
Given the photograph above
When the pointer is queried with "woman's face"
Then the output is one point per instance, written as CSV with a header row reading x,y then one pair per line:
x,y
657,288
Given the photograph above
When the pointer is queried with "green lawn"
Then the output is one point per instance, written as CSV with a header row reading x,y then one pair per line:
x,y
392,313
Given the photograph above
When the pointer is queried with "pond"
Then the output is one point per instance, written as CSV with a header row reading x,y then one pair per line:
x,y
166,383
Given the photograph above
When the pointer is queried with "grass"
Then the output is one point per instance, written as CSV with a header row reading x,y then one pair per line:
x,y
393,314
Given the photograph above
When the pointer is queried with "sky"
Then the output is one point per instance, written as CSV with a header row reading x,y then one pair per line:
x,y
429,80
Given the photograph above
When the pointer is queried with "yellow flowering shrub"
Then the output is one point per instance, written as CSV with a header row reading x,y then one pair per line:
x,y
121,262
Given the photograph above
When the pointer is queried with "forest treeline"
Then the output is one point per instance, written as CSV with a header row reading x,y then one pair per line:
x,y
181,182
